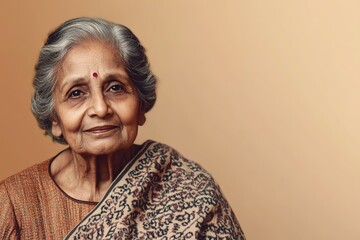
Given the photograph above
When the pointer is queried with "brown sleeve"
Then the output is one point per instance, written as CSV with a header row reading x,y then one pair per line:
x,y
8,225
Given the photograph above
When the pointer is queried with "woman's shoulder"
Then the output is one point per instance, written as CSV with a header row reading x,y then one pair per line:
x,y
178,169
188,186
25,180
31,173
167,152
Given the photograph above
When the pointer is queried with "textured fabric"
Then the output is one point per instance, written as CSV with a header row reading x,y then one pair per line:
x,y
161,195
33,207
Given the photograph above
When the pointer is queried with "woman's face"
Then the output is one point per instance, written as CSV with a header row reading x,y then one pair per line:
x,y
96,104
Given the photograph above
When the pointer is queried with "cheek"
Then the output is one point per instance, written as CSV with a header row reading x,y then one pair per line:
x,y
128,113
70,121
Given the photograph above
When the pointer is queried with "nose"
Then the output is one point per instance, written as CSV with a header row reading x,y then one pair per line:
x,y
99,106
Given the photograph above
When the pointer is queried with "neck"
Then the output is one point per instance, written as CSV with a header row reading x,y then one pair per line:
x,y
86,177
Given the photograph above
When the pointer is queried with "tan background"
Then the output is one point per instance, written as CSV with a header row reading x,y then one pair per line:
x,y
264,94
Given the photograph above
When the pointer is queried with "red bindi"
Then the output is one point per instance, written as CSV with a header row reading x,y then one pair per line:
x,y
95,74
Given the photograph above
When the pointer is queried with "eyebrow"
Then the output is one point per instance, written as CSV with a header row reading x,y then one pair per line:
x,y
118,76
74,82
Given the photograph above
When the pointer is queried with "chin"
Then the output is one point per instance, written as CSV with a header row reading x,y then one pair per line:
x,y
106,147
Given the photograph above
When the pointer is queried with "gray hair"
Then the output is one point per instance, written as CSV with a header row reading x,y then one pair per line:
x,y
73,32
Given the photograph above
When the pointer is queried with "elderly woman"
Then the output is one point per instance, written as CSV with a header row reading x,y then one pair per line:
x,y
93,87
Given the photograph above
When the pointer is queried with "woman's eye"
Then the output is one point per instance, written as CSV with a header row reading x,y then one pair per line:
x,y
117,88
75,94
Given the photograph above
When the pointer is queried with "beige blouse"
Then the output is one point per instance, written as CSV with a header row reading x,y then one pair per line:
x,y
32,206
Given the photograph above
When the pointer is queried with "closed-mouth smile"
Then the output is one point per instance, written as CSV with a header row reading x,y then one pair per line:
x,y
101,129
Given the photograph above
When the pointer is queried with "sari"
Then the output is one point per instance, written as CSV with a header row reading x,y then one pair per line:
x,y
160,195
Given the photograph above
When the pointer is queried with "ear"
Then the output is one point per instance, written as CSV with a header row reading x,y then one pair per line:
x,y
141,118
56,129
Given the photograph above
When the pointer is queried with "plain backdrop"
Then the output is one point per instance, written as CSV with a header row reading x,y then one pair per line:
x,y
263,94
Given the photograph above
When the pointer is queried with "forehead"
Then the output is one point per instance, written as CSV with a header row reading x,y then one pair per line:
x,y
90,55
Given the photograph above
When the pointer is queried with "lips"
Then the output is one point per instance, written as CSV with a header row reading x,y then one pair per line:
x,y
101,129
